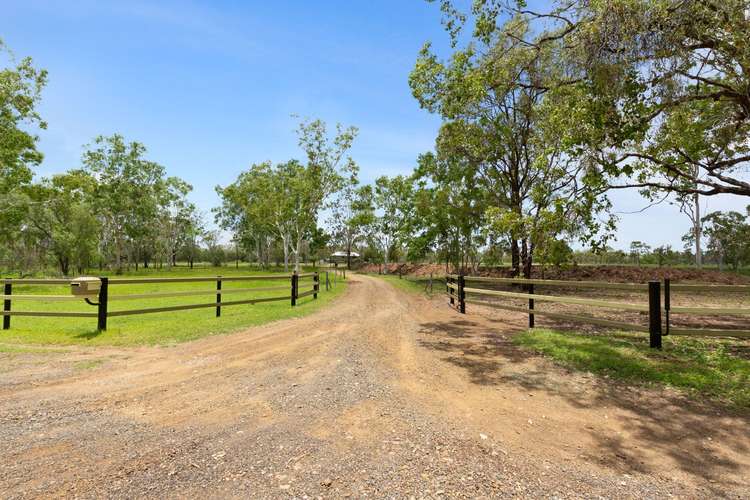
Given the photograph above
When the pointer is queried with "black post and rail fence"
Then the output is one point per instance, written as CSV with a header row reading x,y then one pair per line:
x,y
218,296
654,314
462,290
302,285
102,304
8,291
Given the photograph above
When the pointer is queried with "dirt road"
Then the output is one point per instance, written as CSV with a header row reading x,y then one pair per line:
x,y
383,394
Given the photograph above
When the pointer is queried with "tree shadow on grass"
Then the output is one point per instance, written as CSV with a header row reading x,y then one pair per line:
x,y
89,334
665,423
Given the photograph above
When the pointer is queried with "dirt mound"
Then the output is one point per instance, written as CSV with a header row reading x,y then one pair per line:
x,y
406,268
629,274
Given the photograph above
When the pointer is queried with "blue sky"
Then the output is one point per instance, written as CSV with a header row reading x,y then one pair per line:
x,y
210,87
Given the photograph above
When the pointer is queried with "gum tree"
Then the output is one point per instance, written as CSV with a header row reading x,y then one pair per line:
x,y
450,207
662,86
286,199
392,204
350,216
504,128
129,195
21,85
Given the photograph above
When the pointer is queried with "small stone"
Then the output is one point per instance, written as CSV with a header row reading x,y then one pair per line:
x,y
326,482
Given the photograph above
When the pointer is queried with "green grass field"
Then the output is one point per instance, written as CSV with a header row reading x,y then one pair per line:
x,y
706,367
159,328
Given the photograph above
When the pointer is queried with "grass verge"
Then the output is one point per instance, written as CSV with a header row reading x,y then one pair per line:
x,y
157,328
701,367
413,284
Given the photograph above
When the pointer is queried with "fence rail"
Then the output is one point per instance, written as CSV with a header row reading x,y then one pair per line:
x,y
561,283
558,299
658,314
103,297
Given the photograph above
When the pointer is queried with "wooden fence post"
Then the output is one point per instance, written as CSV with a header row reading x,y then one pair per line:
x,y
8,290
218,296
654,314
328,283
316,285
461,294
294,288
531,306
666,306
449,280
102,304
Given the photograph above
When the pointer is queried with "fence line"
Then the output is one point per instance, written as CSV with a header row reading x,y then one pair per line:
x,y
659,316
562,300
103,297
577,284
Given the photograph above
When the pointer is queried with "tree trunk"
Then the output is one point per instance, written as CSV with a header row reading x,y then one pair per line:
x,y
515,258
284,243
385,256
698,231
349,254
118,256
64,265
526,256
297,246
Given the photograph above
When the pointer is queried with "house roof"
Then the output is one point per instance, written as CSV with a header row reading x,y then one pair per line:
x,y
343,254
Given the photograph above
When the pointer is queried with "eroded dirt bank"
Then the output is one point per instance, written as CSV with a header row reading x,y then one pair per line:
x,y
382,394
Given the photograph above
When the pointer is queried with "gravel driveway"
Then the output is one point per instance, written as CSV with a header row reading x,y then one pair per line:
x,y
383,394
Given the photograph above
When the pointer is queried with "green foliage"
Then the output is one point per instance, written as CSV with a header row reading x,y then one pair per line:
x,y
557,253
638,249
503,140
21,85
728,235
388,223
653,92
450,208
20,91
351,215
215,253
701,367
131,195
282,202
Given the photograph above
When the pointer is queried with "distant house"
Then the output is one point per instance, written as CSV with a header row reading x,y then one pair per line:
x,y
340,256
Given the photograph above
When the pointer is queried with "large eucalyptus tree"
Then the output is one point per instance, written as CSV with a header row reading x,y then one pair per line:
x,y
501,125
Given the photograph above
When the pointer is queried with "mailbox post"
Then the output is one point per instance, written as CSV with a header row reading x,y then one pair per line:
x,y
88,288
102,312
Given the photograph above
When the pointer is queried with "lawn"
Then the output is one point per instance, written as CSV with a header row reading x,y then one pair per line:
x,y
712,368
159,328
